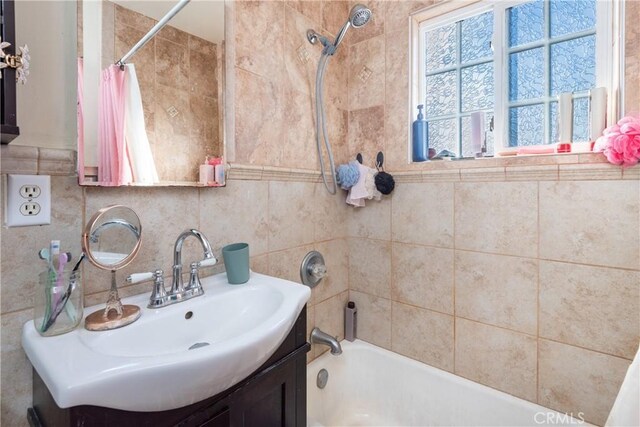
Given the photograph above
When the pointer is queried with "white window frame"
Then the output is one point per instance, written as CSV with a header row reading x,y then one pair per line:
x,y
609,56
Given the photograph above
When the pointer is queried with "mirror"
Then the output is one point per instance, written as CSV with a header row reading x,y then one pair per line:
x,y
173,88
112,237
111,240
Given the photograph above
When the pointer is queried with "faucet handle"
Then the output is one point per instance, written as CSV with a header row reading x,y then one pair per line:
x,y
158,294
207,262
194,287
139,277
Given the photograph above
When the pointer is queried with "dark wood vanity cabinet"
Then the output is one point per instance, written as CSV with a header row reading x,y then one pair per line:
x,y
8,115
274,395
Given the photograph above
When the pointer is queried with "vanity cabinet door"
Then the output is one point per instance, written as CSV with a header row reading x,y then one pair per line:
x,y
270,401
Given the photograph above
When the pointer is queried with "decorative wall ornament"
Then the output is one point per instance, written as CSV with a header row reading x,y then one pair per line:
x,y
20,61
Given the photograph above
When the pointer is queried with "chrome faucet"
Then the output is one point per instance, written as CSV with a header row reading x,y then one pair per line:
x,y
177,286
178,292
319,337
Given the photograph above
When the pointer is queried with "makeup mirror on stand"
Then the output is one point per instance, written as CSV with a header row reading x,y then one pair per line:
x,y
111,240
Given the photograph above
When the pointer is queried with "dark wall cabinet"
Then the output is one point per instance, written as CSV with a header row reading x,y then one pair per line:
x,y
274,395
8,116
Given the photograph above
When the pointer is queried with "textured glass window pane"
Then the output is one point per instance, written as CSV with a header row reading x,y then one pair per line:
x,y
477,87
553,122
573,65
526,125
572,16
526,23
526,74
443,135
476,34
440,47
441,94
466,135
581,120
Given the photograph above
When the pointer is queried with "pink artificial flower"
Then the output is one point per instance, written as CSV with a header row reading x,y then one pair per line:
x,y
621,142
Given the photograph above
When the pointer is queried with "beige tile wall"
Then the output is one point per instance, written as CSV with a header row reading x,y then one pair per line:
x,y
531,273
499,281
275,68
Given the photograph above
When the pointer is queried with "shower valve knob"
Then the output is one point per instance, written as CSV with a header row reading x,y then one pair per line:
x,y
318,270
312,269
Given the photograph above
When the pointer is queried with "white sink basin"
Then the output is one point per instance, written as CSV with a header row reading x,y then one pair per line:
x,y
164,360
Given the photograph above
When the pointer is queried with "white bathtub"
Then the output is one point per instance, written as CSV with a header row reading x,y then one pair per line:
x,y
370,386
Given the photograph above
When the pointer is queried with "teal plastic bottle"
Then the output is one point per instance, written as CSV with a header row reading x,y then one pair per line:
x,y
420,137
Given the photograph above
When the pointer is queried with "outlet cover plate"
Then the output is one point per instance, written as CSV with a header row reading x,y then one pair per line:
x,y
27,190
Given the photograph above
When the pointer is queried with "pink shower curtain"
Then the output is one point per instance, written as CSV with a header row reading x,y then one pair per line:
x,y
114,166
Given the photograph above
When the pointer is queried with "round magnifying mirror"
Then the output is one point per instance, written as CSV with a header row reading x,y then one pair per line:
x,y
111,240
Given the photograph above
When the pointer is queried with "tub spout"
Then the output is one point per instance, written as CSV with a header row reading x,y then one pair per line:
x,y
319,337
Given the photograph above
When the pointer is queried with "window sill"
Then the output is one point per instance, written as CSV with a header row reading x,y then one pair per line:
x,y
541,167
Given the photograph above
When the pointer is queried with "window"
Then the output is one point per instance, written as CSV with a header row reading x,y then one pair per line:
x,y
458,80
509,61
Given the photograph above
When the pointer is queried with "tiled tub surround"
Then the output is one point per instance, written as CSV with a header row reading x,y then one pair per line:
x,y
507,283
506,271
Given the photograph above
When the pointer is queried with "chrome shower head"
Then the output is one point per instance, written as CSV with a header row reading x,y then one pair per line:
x,y
359,16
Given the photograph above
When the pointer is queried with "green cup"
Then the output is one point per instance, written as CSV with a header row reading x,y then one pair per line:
x,y
236,262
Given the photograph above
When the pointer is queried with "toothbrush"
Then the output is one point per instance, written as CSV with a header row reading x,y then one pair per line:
x,y
45,255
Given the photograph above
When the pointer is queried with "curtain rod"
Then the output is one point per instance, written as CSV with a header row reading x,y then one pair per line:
x,y
173,12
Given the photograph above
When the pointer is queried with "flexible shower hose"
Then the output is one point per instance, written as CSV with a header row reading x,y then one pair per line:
x,y
321,127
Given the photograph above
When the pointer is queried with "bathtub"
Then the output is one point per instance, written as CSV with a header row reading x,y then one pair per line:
x,y
370,386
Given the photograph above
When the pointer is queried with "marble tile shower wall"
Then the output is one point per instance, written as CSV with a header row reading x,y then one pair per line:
x,y
176,70
275,68
281,221
506,283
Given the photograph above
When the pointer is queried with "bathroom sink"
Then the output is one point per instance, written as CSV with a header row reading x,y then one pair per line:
x,y
172,356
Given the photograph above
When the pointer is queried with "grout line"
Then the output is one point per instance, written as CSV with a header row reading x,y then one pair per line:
x,y
631,269
586,348
454,285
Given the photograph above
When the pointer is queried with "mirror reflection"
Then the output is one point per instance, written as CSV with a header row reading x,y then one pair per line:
x,y
150,96
112,237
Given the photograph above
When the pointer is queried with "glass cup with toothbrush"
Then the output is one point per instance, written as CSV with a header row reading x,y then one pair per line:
x,y
58,302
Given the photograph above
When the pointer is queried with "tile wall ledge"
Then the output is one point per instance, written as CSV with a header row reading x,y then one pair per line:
x,y
245,172
20,159
569,167
566,167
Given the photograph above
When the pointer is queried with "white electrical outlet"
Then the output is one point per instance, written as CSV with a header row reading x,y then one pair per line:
x,y
28,200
